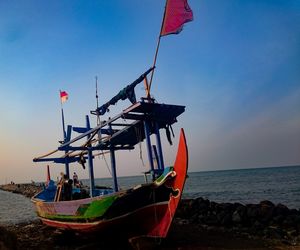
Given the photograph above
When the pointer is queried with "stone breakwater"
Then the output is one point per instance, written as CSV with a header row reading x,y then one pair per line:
x,y
265,219
27,190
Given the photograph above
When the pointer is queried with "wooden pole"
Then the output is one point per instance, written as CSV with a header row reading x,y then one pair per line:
x,y
157,48
65,136
62,117
146,84
90,159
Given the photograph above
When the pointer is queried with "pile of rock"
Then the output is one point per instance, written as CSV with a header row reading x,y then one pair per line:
x,y
8,240
27,190
264,219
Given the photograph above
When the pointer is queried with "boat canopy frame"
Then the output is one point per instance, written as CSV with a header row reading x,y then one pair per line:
x,y
142,119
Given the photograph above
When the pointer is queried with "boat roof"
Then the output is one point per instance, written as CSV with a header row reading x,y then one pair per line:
x,y
127,129
121,132
133,133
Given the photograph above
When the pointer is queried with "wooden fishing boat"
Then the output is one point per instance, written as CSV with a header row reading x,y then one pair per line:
x,y
144,210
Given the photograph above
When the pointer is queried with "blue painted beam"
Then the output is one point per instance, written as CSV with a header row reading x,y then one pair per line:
x,y
149,149
113,167
82,130
90,160
58,160
69,132
67,162
159,147
101,147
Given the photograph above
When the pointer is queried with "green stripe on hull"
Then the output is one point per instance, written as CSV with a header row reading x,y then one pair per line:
x,y
98,207
87,212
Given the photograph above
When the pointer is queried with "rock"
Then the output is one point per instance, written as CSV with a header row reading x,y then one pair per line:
x,y
294,212
194,218
273,233
266,211
202,205
281,210
27,190
140,243
183,210
291,222
257,225
212,205
182,222
277,220
8,240
201,218
225,220
266,203
211,219
253,211
236,217
292,233
239,215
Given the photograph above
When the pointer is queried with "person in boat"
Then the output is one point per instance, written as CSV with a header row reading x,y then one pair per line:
x,y
75,180
66,186
67,189
63,177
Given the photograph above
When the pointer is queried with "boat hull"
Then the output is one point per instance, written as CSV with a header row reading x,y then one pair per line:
x,y
144,210
132,221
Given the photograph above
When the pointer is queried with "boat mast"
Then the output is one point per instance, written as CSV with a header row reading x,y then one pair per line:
x,y
90,159
64,134
157,48
112,151
97,100
97,110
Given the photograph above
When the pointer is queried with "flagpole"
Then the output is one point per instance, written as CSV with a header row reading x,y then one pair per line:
x,y
157,48
98,114
62,117
65,136
97,101
63,123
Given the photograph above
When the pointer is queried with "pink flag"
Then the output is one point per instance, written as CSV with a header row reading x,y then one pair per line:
x,y
63,96
177,13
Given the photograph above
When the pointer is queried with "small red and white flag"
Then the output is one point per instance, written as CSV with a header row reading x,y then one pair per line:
x,y
177,13
63,96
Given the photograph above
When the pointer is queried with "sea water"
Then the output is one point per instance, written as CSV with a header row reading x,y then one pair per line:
x,y
278,184
15,208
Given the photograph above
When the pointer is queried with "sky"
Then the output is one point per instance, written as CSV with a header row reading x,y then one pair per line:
x,y
236,68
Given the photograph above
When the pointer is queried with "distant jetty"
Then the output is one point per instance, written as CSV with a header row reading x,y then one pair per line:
x,y
199,223
27,190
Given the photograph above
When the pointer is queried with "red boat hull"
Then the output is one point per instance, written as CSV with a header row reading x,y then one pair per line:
x,y
152,219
